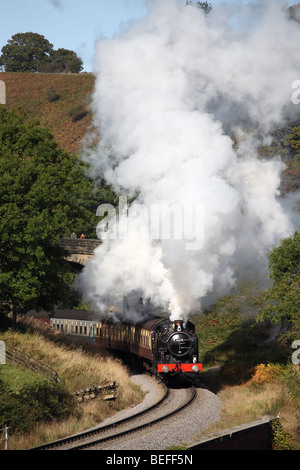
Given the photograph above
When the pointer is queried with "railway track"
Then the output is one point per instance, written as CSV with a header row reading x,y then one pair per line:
x,y
119,429
68,441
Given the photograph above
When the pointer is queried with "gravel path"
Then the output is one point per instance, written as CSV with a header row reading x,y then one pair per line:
x,y
181,429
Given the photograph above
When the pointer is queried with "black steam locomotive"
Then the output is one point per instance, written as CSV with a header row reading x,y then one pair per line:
x,y
174,347
167,348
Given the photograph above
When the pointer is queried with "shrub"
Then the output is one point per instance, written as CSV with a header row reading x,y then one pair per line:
x,y
78,113
266,373
36,403
235,372
292,384
281,440
52,95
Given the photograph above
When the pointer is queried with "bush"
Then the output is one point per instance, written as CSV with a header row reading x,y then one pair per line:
x,y
52,95
266,373
78,113
281,440
292,384
40,402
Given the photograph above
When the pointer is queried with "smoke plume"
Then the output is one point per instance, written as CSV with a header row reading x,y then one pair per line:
x,y
182,101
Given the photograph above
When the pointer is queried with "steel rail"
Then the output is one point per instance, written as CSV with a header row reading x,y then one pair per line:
x,y
137,428
100,429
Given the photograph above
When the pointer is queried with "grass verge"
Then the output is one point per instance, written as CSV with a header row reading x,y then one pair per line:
x,y
76,369
248,367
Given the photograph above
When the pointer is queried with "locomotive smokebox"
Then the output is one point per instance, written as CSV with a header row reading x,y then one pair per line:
x,y
178,325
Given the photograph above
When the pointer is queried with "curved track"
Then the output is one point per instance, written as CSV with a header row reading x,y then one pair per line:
x,y
62,443
149,423
119,429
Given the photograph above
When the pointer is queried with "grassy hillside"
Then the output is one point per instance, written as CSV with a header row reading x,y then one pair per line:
x,y
71,93
249,367
76,369
63,101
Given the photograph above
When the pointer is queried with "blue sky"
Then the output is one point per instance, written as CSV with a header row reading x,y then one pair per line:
x,y
71,24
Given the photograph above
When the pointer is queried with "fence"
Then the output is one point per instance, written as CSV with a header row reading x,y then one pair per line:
x,y
19,357
256,435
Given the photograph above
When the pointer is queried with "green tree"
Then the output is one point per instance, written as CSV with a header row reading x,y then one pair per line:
x,y
294,140
32,52
32,404
26,52
44,195
66,61
283,298
205,6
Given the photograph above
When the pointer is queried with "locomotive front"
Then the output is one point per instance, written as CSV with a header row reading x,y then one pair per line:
x,y
177,349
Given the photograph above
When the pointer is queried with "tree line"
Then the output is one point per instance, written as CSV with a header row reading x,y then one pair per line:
x,y
32,52
44,195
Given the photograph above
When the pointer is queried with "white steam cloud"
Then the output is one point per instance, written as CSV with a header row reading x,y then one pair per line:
x,y
170,94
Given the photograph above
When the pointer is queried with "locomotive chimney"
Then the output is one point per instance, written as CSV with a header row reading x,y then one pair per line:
x,y
178,325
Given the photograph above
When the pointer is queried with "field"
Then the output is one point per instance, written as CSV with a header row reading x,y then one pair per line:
x,y
77,369
248,367
61,100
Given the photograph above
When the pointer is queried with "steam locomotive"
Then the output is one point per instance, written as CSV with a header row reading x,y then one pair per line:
x,y
167,348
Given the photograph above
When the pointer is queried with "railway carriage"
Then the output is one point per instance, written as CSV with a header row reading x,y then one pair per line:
x,y
167,348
